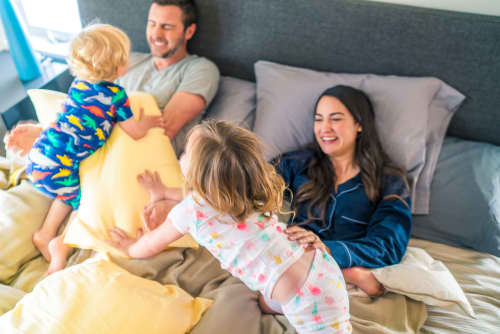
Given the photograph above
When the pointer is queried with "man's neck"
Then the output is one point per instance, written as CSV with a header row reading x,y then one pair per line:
x,y
162,63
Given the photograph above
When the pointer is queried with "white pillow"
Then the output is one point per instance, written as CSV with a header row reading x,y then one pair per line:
x,y
422,278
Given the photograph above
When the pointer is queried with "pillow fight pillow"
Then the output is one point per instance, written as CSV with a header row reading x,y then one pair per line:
x,y
422,278
47,104
465,198
111,195
22,211
234,102
97,296
286,95
9,297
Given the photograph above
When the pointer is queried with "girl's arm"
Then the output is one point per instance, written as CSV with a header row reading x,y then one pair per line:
x,y
151,182
138,128
147,245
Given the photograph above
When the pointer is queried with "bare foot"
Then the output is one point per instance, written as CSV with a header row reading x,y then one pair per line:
x,y
41,241
58,254
364,279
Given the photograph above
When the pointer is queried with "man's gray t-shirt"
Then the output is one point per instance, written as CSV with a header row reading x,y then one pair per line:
x,y
192,74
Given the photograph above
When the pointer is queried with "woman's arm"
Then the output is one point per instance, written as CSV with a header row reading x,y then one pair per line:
x,y
147,245
387,233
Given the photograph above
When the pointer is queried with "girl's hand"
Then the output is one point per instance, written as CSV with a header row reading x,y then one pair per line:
x,y
307,238
152,183
121,240
155,213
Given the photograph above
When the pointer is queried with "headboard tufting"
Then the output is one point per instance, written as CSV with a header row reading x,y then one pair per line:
x,y
352,36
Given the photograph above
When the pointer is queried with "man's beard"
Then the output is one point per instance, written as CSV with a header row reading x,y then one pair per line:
x,y
172,50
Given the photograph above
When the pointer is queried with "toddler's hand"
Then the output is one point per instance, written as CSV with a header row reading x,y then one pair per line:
x,y
150,121
121,240
20,139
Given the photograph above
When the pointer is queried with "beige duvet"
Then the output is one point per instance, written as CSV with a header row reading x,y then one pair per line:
x,y
235,308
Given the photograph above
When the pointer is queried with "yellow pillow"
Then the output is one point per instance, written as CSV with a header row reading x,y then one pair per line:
x,y
22,212
47,104
111,195
97,297
9,296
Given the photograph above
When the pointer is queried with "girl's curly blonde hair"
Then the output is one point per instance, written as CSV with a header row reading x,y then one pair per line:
x,y
97,52
228,170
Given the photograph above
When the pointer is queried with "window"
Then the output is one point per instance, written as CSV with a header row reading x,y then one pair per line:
x,y
51,24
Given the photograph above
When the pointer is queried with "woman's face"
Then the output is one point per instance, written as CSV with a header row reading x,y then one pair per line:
x,y
335,129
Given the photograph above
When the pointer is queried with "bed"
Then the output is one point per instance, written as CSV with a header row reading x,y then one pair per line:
x,y
274,55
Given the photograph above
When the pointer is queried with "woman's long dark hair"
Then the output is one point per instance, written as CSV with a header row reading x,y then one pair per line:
x,y
371,158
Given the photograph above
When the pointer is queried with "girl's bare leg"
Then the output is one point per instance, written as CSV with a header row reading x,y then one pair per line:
x,y
56,215
364,279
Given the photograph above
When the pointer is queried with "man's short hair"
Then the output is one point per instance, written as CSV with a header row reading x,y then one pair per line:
x,y
188,7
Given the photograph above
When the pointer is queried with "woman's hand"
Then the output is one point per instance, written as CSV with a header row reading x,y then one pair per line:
x,y
121,240
307,238
155,213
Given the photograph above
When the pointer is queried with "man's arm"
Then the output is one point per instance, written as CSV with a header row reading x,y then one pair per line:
x,y
182,108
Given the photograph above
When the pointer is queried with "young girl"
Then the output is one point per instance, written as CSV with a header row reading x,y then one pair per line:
x,y
98,56
232,193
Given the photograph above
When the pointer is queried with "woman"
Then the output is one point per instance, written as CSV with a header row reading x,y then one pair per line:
x,y
349,199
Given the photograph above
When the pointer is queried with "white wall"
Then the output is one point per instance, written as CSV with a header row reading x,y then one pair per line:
x,y
488,7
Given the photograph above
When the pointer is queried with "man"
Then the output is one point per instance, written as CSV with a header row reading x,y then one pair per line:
x,y
182,84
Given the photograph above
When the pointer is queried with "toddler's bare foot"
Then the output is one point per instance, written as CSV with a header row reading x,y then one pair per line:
x,y
58,254
41,241
364,279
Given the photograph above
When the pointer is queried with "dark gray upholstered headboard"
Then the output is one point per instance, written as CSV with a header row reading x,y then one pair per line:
x,y
352,36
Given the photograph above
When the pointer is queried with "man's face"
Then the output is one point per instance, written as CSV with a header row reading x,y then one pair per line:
x,y
165,31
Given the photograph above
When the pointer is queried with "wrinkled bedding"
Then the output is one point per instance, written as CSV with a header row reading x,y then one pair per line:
x,y
235,308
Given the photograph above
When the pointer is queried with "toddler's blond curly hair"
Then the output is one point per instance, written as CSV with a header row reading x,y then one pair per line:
x,y
97,52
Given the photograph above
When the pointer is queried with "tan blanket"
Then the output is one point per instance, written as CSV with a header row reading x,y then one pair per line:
x,y
235,308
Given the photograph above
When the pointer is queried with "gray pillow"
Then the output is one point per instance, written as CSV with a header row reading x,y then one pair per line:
x,y
286,96
234,102
465,197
